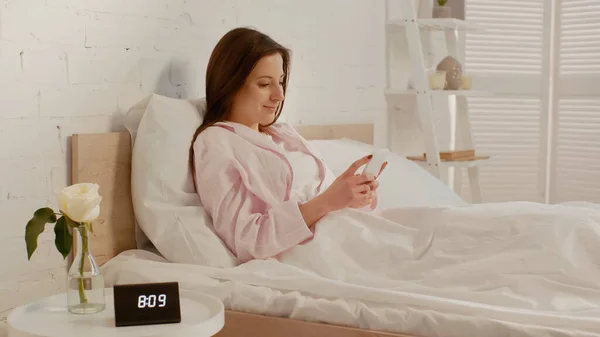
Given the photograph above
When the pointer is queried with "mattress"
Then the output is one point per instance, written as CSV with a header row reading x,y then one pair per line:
x,y
553,290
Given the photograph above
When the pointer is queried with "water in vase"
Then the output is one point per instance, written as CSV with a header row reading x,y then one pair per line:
x,y
86,294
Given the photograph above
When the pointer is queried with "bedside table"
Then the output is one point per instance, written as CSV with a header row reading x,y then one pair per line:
x,y
201,316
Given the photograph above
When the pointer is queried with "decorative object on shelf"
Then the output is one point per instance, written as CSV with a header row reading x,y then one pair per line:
x,y
453,156
79,205
425,9
441,10
453,71
437,79
466,82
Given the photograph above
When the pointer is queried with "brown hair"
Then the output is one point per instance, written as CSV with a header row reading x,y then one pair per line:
x,y
230,63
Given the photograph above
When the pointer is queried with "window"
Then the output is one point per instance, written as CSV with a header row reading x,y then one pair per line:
x,y
575,136
510,59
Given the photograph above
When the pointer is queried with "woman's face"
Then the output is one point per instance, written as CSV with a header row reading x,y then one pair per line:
x,y
259,98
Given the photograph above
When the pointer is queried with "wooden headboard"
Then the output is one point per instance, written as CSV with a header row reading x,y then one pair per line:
x,y
105,159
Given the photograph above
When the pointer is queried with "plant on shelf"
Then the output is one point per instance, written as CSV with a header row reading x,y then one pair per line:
x,y
441,10
79,206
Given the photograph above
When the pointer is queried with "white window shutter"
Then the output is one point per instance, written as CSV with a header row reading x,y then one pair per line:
x,y
508,59
575,160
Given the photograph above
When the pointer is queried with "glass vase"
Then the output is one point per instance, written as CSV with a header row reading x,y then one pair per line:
x,y
85,291
442,12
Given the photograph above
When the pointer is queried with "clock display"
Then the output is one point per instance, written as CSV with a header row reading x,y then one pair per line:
x,y
150,303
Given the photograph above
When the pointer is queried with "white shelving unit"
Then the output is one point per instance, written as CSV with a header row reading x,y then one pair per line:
x,y
414,29
469,93
434,24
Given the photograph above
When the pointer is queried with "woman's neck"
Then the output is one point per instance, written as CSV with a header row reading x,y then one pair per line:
x,y
253,126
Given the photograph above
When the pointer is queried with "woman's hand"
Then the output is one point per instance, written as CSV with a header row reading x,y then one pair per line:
x,y
350,189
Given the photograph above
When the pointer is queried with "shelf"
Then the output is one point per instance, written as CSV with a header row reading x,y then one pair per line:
x,y
398,92
438,24
478,160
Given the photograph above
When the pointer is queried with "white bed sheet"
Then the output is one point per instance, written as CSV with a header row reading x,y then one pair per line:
x,y
512,269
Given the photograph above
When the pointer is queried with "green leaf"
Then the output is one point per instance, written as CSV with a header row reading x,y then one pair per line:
x,y
36,226
71,223
63,240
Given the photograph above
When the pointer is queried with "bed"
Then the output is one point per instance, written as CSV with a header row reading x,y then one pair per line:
x,y
106,160
266,298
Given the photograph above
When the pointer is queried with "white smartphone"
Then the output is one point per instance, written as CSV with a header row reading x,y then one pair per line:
x,y
374,165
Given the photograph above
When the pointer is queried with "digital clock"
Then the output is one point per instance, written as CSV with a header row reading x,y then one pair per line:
x,y
145,304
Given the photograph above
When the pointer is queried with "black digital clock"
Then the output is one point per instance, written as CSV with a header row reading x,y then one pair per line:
x,y
145,304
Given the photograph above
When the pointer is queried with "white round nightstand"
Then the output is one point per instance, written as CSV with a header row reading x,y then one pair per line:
x,y
201,316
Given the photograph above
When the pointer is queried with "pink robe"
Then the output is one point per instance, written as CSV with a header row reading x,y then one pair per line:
x,y
245,183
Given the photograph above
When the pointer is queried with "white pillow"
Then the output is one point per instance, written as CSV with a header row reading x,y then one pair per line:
x,y
167,208
402,183
136,112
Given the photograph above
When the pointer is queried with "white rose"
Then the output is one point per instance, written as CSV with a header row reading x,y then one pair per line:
x,y
80,202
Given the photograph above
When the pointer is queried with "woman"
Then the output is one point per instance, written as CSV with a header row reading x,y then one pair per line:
x,y
260,182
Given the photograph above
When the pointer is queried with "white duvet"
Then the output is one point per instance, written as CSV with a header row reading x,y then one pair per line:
x,y
510,269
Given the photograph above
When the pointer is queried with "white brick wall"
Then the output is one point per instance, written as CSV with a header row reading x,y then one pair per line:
x,y
92,65
33,21
75,66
